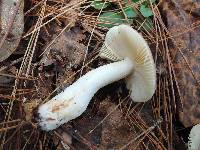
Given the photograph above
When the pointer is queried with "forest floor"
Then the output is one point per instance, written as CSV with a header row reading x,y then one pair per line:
x,y
46,45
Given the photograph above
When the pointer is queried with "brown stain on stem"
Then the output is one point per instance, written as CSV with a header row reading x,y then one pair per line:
x,y
50,119
59,106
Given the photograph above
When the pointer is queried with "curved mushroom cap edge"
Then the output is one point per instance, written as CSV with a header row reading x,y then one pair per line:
x,y
123,41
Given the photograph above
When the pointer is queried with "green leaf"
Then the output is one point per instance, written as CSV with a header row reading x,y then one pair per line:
x,y
135,1
110,19
129,11
98,4
147,24
153,1
147,2
146,11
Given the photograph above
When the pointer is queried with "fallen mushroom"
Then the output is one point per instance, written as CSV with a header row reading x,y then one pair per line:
x,y
194,138
134,61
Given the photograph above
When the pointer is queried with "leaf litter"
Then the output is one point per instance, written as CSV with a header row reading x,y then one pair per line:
x,y
185,56
54,59
7,11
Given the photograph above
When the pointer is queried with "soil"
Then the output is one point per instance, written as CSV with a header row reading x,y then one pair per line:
x,y
63,50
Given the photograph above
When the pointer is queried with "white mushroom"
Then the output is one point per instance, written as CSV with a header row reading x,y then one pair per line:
x,y
194,138
134,61
122,42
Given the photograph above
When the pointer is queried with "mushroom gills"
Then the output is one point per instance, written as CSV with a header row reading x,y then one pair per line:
x,y
123,41
107,53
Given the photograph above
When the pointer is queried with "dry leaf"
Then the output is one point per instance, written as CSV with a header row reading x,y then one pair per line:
x,y
67,49
186,39
6,11
116,131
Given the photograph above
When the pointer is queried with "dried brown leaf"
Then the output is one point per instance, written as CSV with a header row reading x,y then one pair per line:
x,y
184,29
7,9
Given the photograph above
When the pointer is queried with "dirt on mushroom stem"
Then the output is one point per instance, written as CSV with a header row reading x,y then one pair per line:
x,y
160,105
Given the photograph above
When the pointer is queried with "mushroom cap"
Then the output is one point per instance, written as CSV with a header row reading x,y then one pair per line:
x,y
123,41
194,138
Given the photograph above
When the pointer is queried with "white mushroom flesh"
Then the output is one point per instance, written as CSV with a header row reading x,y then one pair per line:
x,y
73,101
194,138
122,41
122,44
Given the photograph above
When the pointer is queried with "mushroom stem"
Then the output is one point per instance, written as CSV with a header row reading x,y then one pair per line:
x,y
194,138
73,101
